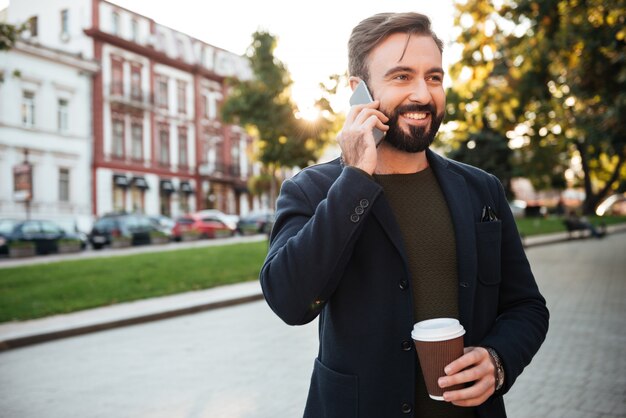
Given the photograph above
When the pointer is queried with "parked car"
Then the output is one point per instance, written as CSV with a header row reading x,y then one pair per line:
x,y
163,223
229,220
30,237
256,223
122,230
194,226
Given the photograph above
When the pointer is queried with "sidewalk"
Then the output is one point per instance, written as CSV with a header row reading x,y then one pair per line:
x,y
20,334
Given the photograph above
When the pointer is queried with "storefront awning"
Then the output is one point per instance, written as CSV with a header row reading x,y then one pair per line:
x,y
120,180
140,183
185,187
167,186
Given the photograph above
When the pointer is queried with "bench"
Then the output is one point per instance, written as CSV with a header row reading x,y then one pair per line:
x,y
578,228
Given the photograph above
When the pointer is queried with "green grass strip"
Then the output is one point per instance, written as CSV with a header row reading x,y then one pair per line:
x,y
539,226
42,290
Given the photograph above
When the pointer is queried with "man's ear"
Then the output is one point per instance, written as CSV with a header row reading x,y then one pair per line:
x,y
354,81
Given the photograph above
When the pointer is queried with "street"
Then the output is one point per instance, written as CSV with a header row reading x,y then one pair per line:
x,y
243,361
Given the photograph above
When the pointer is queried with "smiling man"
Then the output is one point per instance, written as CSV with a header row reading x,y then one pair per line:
x,y
391,235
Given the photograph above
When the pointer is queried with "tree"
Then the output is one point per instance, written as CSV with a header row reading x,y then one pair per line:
x,y
550,76
8,35
264,106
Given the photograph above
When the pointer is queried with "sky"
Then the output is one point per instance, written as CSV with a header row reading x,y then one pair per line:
x,y
312,36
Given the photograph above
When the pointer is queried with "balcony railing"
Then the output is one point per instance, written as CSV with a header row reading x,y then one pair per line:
x,y
220,170
132,96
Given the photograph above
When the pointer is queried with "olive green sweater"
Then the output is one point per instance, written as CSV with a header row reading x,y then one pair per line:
x,y
428,234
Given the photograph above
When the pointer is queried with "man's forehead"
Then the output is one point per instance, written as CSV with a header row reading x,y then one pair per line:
x,y
405,48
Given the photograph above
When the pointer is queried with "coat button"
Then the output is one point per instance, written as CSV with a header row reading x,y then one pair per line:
x,y
464,284
403,284
364,203
359,210
406,408
354,218
406,346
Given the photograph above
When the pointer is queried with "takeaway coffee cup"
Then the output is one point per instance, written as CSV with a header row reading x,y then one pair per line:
x,y
438,343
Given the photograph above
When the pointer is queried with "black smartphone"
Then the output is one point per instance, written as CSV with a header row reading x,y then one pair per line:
x,y
361,95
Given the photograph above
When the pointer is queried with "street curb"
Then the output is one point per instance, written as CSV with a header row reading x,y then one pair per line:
x,y
17,342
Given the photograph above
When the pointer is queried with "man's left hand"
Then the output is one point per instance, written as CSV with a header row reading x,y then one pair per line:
x,y
474,366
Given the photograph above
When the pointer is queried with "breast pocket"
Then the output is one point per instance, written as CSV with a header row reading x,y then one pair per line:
x,y
488,243
332,394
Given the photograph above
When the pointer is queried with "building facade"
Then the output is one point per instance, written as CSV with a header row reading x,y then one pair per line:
x,y
45,135
158,143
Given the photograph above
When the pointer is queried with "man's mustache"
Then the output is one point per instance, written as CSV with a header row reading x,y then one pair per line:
x,y
409,108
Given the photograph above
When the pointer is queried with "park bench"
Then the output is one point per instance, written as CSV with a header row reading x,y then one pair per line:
x,y
576,228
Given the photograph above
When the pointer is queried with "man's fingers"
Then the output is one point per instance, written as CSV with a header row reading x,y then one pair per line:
x,y
471,356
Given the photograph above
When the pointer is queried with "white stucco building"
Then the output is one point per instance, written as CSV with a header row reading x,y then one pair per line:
x,y
45,117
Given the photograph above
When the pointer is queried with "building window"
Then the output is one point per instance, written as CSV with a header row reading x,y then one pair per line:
x,y
184,202
137,196
180,46
137,141
28,109
161,90
119,198
165,197
33,26
181,96
65,22
183,158
118,138
164,145
211,104
134,27
115,23
135,82
117,76
62,115
234,156
64,185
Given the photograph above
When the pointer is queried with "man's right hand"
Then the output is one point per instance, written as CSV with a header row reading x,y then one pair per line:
x,y
358,147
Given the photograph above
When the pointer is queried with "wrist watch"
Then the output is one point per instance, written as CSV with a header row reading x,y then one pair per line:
x,y
499,372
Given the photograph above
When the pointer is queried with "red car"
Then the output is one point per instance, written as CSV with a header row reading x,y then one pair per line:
x,y
194,226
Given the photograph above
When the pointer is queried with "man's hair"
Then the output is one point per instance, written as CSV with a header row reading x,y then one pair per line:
x,y
373,30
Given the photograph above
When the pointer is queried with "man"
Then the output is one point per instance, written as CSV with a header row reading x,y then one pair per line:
x,y
387,236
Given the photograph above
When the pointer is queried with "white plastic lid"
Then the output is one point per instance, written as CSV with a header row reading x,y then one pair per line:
x,y
438,329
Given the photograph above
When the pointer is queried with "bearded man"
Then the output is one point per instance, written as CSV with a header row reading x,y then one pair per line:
x,y
393,234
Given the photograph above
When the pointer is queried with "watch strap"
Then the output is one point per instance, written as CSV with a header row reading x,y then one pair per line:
x,y
499,369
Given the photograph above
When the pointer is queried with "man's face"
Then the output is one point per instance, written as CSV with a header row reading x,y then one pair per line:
x,y
406,75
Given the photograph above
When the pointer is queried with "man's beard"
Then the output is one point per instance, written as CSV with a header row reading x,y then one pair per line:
x,y
419,137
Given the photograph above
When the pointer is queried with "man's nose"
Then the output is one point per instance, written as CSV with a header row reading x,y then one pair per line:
x,y
419,92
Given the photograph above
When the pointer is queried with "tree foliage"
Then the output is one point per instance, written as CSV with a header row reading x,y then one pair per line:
x,y
8,35
264,105
550,77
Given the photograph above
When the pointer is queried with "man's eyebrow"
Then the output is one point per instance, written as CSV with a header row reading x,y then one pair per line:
x,y
403,69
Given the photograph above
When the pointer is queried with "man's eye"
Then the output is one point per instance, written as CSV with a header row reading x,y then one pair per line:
x,y
402,77
435,78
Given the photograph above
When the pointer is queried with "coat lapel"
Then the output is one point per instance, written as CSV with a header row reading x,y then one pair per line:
x,y
457,195
383,213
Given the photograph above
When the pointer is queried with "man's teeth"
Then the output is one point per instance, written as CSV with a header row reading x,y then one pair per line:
x,y
417,116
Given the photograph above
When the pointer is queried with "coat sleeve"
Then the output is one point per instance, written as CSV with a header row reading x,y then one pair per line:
x,y
522,322
313,239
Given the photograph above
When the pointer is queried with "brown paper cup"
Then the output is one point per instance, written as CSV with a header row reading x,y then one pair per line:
x,y
438,343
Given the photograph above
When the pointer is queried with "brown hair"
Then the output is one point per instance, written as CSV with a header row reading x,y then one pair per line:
x,y
373,30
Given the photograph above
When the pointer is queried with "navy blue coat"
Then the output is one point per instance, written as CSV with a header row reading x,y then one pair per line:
x,y
336,251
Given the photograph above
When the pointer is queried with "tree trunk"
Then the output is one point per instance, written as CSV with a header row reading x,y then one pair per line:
x,y
592,200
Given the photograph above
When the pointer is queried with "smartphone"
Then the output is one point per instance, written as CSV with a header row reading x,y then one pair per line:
x,y
361,95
